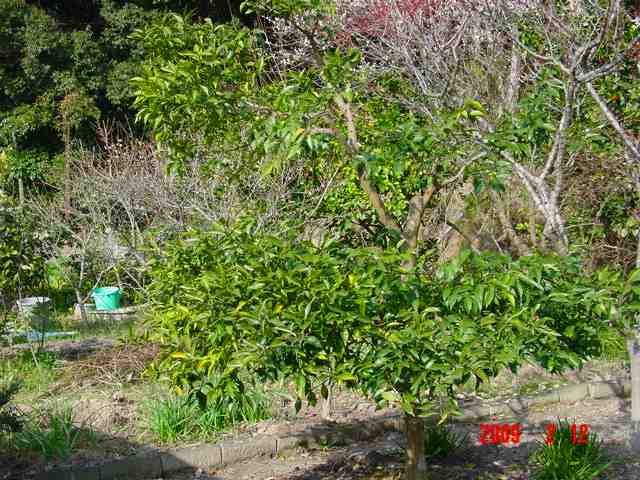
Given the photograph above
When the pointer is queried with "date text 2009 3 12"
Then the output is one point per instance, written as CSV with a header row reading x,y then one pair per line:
x,y
501,434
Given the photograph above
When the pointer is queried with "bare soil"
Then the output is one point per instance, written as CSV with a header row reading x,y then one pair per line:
x,y
68,349
383,459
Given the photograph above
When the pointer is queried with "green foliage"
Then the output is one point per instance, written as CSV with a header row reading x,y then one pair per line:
x,y
34,371
32,166
531,128
21,267
566,459
217,82
196,80
50,49
605,295
233,304
183,418
54,435
287,8
441,441
10,420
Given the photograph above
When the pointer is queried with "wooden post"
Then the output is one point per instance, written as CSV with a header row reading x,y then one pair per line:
x,y
81,307
634,356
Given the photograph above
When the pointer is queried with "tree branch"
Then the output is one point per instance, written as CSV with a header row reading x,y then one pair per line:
x,y
417,204
542,58
463,235
629,142
609,67
353,145
505,221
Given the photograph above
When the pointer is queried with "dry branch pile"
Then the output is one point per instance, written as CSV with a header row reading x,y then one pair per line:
x,y
113,366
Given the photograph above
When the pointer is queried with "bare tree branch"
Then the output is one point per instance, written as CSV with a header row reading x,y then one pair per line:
x,y
629,142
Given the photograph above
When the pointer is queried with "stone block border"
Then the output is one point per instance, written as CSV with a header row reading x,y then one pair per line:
x,y
158,464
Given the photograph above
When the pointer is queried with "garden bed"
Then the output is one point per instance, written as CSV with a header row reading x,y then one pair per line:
x,y
102,382
382,459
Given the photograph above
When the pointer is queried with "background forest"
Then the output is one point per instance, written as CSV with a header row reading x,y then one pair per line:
x,y
335,192
67,93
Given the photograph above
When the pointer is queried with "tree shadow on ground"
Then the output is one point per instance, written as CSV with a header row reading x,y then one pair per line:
x,y
375,458
475,461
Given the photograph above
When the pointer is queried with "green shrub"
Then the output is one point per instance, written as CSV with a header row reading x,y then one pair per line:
x,y
226,302
54,435
182,417
32,166
566,459
441,441
233,306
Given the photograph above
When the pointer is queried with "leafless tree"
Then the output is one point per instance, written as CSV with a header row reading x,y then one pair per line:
x,y
76,246
571,48
120,197
455,50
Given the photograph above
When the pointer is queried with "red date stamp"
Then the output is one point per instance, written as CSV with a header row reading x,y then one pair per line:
x,y
505,433
579,433
500,434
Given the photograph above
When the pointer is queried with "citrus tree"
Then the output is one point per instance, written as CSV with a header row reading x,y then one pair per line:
x,y
235,305
231,305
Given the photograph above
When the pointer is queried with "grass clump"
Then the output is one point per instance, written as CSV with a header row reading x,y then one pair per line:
x,y
34,370
53,435
565,458
441,441
178,418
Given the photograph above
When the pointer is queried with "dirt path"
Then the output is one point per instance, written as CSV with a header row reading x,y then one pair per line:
x,y
383,459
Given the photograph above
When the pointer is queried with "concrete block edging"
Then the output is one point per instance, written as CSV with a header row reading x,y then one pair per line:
x,y
158,464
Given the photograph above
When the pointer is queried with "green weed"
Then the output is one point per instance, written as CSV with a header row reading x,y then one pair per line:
x,y
100,327
566,459
440,441
54,435
34,370
180,418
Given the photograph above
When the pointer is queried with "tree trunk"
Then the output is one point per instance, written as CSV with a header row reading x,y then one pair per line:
x,y
513,89
83,311
634,356
451,240
416,468
327,403
203,9
20,191
505,221
66,137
